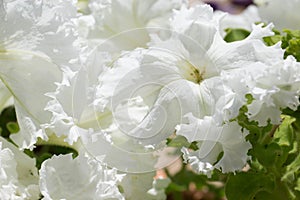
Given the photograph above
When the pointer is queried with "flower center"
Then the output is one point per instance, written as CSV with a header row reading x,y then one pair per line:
x,y
190,72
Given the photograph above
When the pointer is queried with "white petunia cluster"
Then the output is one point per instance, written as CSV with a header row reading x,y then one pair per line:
x,y
114,80
18,177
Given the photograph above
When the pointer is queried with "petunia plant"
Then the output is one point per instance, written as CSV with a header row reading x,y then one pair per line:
x,y
147,99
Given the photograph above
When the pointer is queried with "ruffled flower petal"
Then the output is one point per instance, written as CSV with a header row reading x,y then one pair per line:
x,y
62,177
37,39
289,17
277,88
18,175
28,78
213,140
125,25
132,183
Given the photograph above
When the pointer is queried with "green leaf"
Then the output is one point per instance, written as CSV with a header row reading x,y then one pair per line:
x,y
178,141
292,113
43,152
233,35
244,186
266,196
271,40
257,133
184,177
268,155
182,180
8,115
291,43
298,185
173,187
292,170
13,127
285,135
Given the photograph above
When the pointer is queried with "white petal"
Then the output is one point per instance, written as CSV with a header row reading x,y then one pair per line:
x,y
28,77
213,139
73,112
18,176
289,17
40,26
196,23
136,185
125,23
243,20
241,54
276,88
62,177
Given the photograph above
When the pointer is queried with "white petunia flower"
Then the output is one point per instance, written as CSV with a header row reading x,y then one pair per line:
x,y
284,14
192,71
42,28
275,89
244,20
18,174
36,41
187,71
75,118
125,24
212,140
62,177
135,186
73,113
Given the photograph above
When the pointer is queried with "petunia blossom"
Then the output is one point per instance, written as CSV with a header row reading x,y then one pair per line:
x,y
37,39
62,177
189,71
120,25
215,139
18,176
284,15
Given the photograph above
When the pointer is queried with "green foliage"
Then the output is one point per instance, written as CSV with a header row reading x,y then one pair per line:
x,y
180,187
12,127
43,152
268,155
247,185
9,125
180,141
275,165
235,34
256,132
290,42
271,40
8,122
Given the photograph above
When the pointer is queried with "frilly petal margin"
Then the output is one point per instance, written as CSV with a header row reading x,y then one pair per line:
x,y
277,88
63,177
18,176
213,140
71,105
37,39
43,27
126,24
